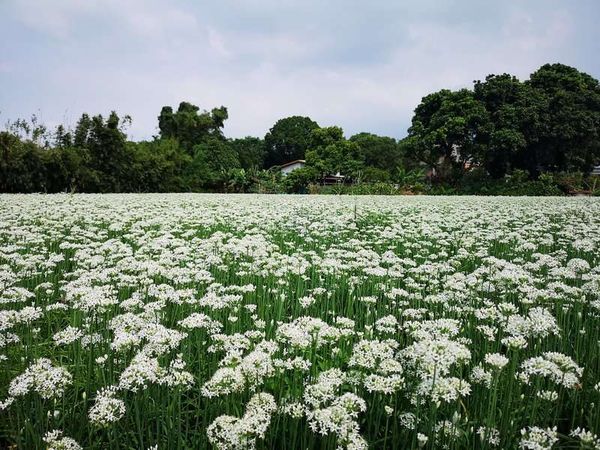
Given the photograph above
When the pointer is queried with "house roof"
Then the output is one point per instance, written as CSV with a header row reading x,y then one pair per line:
x,y
296,161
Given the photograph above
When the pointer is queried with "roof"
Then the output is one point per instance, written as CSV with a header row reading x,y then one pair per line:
x,y
296,161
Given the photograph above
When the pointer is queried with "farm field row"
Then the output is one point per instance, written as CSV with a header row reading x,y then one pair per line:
x,y
168,321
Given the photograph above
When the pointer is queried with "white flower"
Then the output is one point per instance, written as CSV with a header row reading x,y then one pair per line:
x,y
142,371
304,331
408,420
42,377
481,376
199,320
586,437
421,440
228,432
224,381
496,360
387,324
489,435
307,301
536,438
442,389
106,409
56,441
550,396
578,265
67,336
556,367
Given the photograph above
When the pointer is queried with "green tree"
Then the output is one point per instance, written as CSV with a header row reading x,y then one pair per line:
x,y
331,153
514,110
190,126
288,140
157,166
213,157
570,138
448,130
105,140
68,170
21,165
62,137
378,151
82,131
250,152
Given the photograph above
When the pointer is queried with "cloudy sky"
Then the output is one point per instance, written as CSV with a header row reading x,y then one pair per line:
x,y
363,65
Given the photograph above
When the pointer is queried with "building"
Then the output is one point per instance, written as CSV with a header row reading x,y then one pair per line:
x,y
291,166
596,171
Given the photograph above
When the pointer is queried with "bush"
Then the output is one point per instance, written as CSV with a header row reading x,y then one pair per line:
x,y
375,175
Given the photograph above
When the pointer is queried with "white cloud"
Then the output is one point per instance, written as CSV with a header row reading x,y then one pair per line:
x,y
361,65
216,42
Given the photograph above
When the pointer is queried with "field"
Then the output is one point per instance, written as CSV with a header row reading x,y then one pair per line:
x,y
294,322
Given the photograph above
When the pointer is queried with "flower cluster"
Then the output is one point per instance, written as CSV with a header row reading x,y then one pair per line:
x,y
276,321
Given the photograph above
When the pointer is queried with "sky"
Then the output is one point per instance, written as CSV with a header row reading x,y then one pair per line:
x,y
362,65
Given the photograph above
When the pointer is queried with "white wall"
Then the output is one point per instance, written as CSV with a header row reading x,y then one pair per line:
x,y
287,169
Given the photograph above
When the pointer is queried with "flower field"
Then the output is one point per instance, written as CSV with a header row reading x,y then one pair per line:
x,y
297,322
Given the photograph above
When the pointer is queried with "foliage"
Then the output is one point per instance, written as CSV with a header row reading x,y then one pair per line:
x,y
288,140
212,158
250,152
504,136
375,175
330,153
157,166
446,131
189,126
296,182
21,165
378,152
549,123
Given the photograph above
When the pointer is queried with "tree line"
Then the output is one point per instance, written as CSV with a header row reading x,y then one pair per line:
x,y
501,128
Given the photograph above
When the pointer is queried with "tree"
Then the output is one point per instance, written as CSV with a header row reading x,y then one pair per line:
x,y
213,157
382,155
331,153
82,131
21,165
106,142
514,121
156,166
250,152
62,138
448,130
570,138
189,126
68,169
288,140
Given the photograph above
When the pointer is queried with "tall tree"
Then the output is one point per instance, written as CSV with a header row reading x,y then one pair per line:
x,y
212,159
570,139
62,137
190,126
380,152
288,140
250,152
514,110
447,131
105,140
156,166
331,153
21,165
